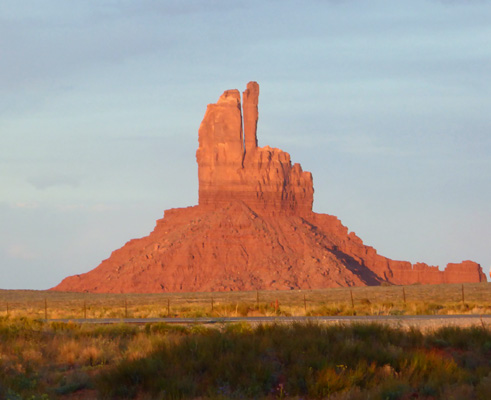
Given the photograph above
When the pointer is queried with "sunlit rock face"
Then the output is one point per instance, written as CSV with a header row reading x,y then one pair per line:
x,y
253,229
232,167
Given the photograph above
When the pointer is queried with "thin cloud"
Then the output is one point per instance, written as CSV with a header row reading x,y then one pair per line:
x,y
91,208
43,182
20,251
27,205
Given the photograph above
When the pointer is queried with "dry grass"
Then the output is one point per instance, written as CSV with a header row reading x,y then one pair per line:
x,y
41,361
382,300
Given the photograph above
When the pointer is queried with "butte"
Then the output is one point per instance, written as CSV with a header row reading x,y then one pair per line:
x,y
254,228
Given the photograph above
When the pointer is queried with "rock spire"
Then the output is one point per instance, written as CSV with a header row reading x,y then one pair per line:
x,y
232,167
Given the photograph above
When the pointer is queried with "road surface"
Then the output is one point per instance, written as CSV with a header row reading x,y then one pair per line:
x,y
421,321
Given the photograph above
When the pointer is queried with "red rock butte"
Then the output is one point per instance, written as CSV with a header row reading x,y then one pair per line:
x,y
254,228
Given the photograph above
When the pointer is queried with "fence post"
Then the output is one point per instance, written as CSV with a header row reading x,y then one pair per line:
x,y
125,309
85,310
257,299
404,295
212,304
168,307
45,309
463,299
352,301
7,308
304,304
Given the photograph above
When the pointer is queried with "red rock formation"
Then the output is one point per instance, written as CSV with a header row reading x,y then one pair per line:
x,y
232,167
251,114
253,228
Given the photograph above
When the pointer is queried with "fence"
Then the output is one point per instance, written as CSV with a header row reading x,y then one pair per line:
x,y
390,300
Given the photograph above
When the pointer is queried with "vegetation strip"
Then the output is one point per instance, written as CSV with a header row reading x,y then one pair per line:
x,y
369,301
40,361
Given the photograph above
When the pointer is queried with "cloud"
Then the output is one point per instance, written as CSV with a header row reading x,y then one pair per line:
x,y
96,208
20,252
362,144
65,207
44,46
42,182
30,205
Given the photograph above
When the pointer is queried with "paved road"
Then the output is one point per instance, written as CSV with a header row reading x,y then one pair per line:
x,y
402,321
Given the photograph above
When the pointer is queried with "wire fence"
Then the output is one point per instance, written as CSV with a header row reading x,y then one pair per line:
x,y
389,300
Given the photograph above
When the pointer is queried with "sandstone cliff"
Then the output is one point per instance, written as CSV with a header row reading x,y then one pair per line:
x,y
253,228
232,167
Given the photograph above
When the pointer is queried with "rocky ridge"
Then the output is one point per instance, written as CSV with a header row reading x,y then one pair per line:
x,y
253,229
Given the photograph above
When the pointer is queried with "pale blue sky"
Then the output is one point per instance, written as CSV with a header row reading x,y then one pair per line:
x,y
385,102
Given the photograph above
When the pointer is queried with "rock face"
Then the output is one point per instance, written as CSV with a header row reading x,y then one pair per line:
x,y
253,229
232,167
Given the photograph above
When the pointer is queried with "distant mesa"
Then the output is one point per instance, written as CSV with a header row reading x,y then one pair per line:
x,y
254,228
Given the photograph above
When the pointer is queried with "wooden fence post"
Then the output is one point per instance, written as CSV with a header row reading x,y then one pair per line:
x,y
168,307
125,308
304,304
212,304
85,310
45,309
352,301
257,299
404,295
463,298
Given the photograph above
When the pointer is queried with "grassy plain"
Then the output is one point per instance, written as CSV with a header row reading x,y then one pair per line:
x,y
385,300
41,360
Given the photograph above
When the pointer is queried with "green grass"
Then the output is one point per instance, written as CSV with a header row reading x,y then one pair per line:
x,y
381,300
40,360
309,361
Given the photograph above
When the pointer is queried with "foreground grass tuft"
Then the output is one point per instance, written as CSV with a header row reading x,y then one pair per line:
x,y
40,360
307,361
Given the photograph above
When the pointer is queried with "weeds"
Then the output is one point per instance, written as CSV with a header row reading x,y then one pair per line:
x,y
311,361
53,360
382,300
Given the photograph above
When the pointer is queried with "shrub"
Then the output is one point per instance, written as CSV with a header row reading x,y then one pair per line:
x,y
296,360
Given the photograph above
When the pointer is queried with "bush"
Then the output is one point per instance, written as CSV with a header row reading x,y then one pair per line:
x,y
296,360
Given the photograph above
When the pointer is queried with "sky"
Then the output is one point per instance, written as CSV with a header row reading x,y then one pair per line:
x,y
386,103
